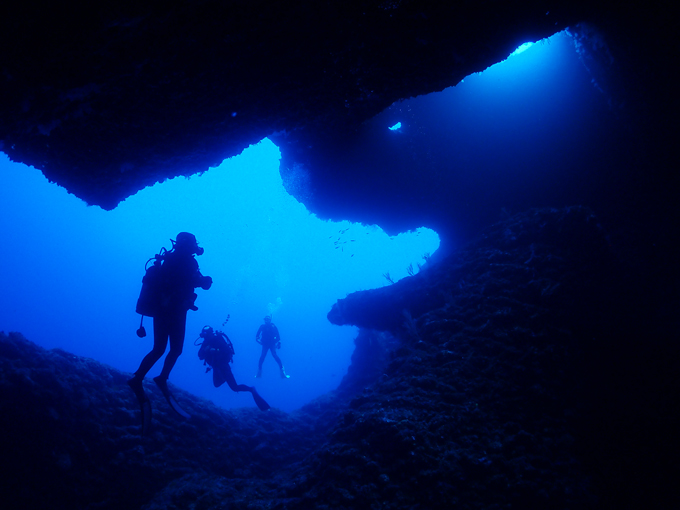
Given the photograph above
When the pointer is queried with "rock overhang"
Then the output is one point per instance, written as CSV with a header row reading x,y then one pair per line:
x,y
115,97
109,99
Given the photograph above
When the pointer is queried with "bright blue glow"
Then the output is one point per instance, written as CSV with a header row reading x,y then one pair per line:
x,y
395,127
533,65
522,48
523,133
71,273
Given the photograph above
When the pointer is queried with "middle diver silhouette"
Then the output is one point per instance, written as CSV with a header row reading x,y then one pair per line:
x,y
217,351
167,294
269,338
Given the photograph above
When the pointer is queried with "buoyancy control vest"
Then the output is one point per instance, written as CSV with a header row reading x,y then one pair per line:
x,y
216,348
167,285
150,297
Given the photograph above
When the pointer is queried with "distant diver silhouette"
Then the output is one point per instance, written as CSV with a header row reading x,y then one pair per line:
x,y
271,340
167,293
217,351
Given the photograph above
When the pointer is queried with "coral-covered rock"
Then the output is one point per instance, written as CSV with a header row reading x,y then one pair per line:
x,y
520,377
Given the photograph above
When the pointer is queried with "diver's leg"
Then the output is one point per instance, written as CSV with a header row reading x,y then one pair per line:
x,y
160,342
176,334
262,356
276,358
259,364
218,378
231,381
176,327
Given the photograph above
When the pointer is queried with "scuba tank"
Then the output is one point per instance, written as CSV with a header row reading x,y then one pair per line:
x,y
149,301
155,293
215,343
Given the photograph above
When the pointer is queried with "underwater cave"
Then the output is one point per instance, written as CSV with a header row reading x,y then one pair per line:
x,y
469,257
502,135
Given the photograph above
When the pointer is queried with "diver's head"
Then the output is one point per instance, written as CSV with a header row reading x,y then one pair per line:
x,y
206,331
187,242
268,319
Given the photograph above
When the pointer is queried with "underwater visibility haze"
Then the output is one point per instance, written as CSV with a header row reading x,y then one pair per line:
x,y
520,130
482,368
72,273
539,129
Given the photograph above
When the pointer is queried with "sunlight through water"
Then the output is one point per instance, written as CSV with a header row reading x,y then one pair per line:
x,y
72,273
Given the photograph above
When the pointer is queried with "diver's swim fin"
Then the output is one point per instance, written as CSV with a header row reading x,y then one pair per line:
x,y
163,386
144,404
260,401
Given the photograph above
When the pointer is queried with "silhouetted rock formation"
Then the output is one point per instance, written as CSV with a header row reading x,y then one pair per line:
x,y
111,98
522,376
70,432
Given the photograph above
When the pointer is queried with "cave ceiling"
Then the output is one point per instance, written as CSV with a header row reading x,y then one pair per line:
x,y
112,97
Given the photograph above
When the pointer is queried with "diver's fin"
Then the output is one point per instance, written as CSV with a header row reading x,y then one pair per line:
x,y
144,403
176,407
260,401
163,386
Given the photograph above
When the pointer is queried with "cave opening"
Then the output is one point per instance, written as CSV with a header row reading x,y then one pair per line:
x,y
73,273
541,128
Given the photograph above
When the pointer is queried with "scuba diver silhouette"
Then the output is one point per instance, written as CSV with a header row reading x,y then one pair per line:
x,y
167,293
217,352
271,340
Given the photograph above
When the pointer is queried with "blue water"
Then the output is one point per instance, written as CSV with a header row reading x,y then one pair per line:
x,y
518,135
71,273
532,131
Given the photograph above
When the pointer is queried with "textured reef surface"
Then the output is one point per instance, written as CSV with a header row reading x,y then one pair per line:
x,y
110,98
113,97
533,368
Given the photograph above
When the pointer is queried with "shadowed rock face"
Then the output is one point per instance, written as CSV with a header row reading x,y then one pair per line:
x,y
112,97
116,96
527,368
532,368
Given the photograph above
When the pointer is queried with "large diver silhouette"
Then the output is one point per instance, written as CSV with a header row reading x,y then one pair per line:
x,y
167,294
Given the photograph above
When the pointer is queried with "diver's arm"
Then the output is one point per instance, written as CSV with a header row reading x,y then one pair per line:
x,y
204,282
197,279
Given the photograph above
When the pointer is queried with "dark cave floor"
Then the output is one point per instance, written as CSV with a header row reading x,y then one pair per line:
x,y
530,369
